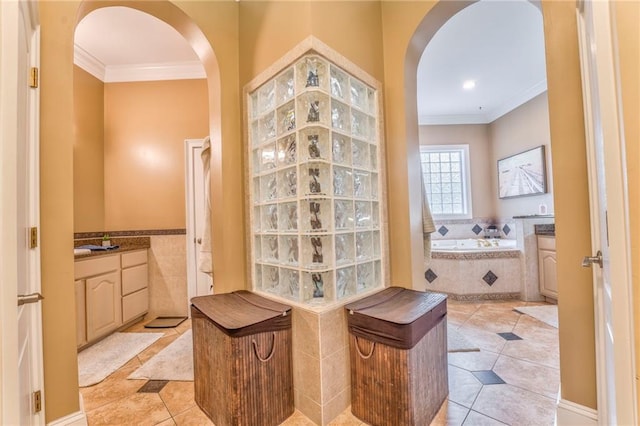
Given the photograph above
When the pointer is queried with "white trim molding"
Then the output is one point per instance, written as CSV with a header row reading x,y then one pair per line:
x,y
74,419
572,414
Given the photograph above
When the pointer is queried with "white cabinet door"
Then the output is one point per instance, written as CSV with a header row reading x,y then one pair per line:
x,y
548,265
104,307
81,313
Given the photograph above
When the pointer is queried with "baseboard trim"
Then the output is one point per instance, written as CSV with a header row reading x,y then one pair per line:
x,y
74,419
572,414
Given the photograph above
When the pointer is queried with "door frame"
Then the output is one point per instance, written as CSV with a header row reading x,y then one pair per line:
x,y
608,102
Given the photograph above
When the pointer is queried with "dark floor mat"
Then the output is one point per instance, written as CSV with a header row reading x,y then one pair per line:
x,y
165,322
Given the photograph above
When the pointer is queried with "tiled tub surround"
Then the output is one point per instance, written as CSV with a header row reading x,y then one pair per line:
x,y
473,228
476,275
167,265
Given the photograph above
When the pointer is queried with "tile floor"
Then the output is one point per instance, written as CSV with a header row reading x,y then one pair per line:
x,y
513,379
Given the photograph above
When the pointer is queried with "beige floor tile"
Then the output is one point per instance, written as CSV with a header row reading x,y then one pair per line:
x,y
476,419
515,406
533,351
485,340
473,361
178,397
157,346
450,414
193,417
346,418
492,320
526,375
168,422
298,419
139,409
463,386
110,390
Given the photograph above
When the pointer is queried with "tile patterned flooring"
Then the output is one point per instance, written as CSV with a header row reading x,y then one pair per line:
x,y
529,368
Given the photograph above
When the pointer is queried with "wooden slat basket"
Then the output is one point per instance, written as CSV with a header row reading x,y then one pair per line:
x,y
398,354
243,371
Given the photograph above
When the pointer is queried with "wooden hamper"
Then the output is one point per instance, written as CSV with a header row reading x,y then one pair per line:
x,y
242,359
398,354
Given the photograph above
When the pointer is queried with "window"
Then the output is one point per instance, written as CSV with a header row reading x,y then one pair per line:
x,y
445,170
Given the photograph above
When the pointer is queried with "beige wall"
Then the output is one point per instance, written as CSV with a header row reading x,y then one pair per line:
x,y
88,152
523,128
571,199
218,22
481,165
145,126
627,17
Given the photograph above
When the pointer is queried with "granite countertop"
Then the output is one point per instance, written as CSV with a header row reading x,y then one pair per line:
x,y
548,229
124,244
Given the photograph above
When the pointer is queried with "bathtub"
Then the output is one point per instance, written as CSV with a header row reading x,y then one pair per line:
x,y
472,244
475,269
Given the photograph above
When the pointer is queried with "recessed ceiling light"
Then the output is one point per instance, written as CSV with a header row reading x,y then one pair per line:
x,y
469,84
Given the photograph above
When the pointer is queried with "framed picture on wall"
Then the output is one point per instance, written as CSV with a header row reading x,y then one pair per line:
x,y
522,174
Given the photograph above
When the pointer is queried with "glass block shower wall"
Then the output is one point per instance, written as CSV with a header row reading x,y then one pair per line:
x,y
314,164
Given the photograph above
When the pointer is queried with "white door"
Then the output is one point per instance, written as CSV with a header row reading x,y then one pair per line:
x,y
199,283
609,217
21,344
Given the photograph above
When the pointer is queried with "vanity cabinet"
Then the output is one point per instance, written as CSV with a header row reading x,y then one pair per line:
x,y
111,290
547,266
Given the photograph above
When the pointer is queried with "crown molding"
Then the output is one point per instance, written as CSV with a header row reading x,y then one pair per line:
x,y
138,72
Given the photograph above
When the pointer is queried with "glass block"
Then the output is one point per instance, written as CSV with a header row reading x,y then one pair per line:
x,y
374,186
377,268
371,102
373,157
288,216
342,182
360,157
317,287
314,144
267,127
268,187
316,215
365,278
364,245
258,276
312,73
376,244
256,219
375,214
270,278
372,130
289,283
270,248
257,248
265,158
285,86
345,249
341,148
270,217
361,184
289,253
359,125
345,282
313,108
286,118
315,179
343,214
362,214
266,97
358,94
287,182
317,251
339,83
340,118
286,150
253,105
256,190
255,133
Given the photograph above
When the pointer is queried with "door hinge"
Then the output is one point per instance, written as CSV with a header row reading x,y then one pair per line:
x,y
37,401
33,237
33,77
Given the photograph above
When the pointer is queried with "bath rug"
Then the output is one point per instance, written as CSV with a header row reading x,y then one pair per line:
x,y
456,342
545,313
100,360
175,362
165,322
